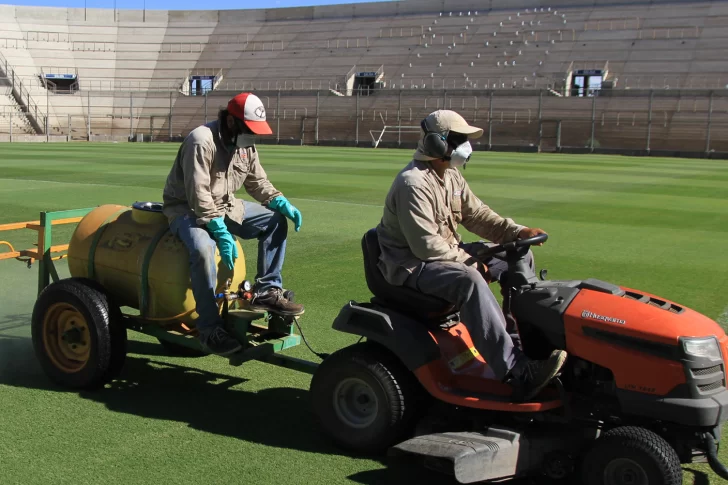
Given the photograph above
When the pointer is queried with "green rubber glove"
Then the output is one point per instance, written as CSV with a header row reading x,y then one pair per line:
x,y
282,205
225,241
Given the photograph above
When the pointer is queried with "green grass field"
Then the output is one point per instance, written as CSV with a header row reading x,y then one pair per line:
x,y
656,224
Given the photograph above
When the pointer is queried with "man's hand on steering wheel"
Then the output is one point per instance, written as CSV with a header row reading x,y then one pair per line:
x,y
528,232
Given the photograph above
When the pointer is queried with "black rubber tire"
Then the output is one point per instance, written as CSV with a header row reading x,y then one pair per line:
x,y
396,389
117,330
107,351
176,350
657,458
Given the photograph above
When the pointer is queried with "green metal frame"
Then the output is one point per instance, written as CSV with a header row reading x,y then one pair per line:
x,y
46,267
260,342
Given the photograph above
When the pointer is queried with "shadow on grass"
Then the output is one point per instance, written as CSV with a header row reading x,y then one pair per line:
x,y
276,417
10,322
151,349
411,471
699,478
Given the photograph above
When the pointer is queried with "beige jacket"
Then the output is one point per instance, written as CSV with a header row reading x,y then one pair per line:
x,y
421,215
206,174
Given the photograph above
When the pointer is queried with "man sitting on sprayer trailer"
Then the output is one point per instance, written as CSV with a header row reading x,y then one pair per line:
x,y
421,248
214,161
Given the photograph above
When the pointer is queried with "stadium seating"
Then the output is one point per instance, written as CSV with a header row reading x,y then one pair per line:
x,y
133,67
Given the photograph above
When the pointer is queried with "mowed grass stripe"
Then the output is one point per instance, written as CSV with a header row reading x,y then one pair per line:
x,y
605,197
662,234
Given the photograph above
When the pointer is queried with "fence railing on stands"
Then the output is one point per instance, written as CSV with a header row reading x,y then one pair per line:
x,y
693,121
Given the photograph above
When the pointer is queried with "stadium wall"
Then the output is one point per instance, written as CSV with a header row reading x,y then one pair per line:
x,y
133,63
647,122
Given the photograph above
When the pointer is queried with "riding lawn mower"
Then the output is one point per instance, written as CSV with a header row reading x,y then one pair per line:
x,y
643,389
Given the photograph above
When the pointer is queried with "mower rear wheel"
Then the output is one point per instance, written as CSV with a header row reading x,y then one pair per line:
x,y
631,455
78,334
364,398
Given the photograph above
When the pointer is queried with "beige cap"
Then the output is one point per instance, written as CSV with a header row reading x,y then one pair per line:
x,y
443,120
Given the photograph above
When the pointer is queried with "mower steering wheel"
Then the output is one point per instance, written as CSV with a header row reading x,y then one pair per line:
x,y
531,241
519,243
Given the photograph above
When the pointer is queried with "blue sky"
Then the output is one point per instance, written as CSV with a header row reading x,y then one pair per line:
x,y
178,4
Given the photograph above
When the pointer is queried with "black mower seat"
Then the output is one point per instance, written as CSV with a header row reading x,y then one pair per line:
x,y
399,298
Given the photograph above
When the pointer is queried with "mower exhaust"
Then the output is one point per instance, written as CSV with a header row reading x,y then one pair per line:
x,y
712,451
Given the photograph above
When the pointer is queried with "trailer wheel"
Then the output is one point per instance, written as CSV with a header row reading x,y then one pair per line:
x,y
364,398
631,455
78,334
177,350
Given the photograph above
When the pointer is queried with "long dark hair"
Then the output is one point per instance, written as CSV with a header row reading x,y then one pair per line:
x,y
224,129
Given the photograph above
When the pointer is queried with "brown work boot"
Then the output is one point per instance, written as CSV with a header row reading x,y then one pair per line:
x,y
273,300
535,375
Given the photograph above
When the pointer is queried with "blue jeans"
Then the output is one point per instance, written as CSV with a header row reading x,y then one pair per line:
x,y
271,230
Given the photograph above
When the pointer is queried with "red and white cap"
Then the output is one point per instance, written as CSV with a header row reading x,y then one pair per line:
x,y
249,108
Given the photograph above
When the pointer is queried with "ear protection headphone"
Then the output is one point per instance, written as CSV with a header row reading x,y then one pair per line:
x,y
435,144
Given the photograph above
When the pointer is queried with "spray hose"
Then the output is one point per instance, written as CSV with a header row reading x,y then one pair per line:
x,y
712,451
320,355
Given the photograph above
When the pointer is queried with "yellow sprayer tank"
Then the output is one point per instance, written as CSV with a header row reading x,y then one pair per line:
x,y
131,252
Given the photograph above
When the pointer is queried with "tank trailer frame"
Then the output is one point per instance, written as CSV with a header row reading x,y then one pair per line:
x,y
263,335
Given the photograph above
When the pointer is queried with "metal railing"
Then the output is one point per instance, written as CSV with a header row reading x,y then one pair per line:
x,y
22,95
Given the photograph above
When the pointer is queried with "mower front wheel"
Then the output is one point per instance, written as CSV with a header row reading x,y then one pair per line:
x,y
364,398
631,455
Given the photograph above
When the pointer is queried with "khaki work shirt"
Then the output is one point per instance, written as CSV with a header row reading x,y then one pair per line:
x,y
206,174
420,219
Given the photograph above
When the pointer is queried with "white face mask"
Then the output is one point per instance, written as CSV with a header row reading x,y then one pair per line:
x,y
460,156
245,141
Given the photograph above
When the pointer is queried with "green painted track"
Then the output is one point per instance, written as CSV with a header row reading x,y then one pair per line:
x,y
656,224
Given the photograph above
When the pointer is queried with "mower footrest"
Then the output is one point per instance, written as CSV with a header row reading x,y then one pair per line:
x,y
469,456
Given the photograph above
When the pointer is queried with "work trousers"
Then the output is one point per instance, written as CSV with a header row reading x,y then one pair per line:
x,y
492,329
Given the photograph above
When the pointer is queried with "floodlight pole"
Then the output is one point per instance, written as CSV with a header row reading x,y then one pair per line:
x,y
131,115
48,112
540,113
593,118
357,117
649,120
278,118
710,116
490,121
318,96
88,114
170,116
399,120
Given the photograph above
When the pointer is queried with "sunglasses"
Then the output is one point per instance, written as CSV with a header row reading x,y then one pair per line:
x,y
456,139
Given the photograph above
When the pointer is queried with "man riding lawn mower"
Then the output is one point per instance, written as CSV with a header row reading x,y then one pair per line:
x,y
422,250
643,389
214,161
